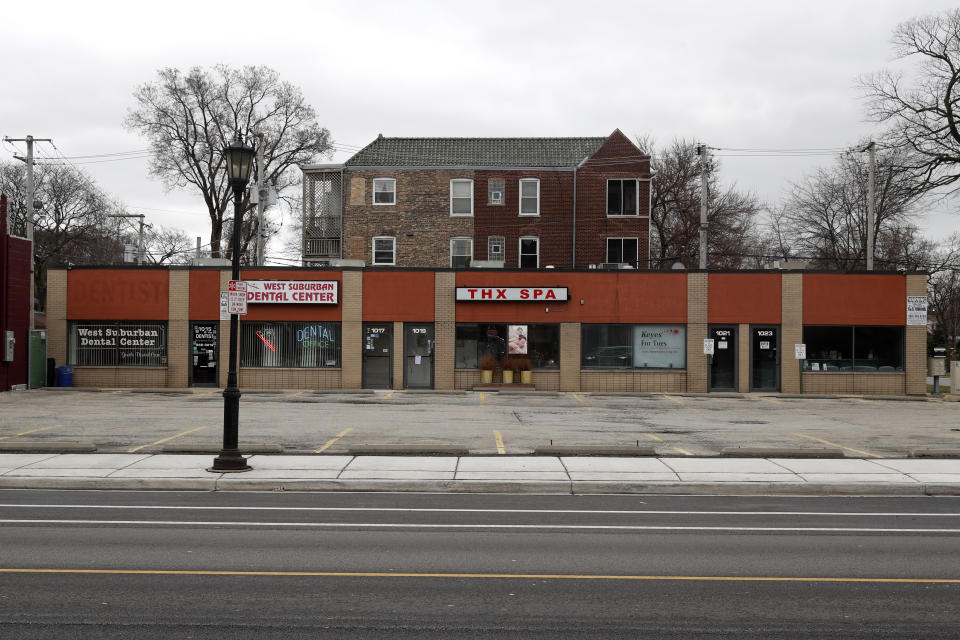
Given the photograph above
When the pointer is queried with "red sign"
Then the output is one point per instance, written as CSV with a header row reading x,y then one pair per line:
x,y
512,294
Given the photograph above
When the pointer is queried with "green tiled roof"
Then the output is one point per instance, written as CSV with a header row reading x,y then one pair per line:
x,y
475,152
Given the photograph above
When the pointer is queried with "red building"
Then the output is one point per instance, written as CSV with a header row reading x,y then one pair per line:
x,y
15,305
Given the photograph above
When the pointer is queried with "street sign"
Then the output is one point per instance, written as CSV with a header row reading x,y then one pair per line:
x,y
708,346
800,351
224,306
237,302
237,285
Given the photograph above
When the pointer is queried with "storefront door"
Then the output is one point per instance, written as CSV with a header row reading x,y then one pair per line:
x,y
764,359
418,356
204,354
723,371
377,356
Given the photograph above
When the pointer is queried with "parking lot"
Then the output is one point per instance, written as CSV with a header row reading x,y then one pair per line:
x,y
483,422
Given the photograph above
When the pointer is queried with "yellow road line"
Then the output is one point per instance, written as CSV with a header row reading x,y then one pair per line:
x,y
499,439
658,439
834,444
497,576
579,399
334,439
144,446
387,397
293,395
678,401
23,433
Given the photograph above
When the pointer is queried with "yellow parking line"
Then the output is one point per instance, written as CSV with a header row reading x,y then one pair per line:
x,y
866,401
144,446
769,399
499,439
678,401
677,449
387,397
23,433
334,439
293,395
834,444
482,398
579,399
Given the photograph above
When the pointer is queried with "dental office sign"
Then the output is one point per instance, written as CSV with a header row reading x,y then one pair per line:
x,y
512,294
291,291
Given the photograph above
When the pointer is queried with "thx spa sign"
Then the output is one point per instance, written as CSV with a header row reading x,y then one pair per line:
x,y
511,294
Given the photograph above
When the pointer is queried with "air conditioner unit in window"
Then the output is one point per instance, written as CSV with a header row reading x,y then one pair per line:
x,y
615,265
496,197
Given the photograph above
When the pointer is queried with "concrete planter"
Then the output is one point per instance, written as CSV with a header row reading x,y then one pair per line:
x,y
526,377
508,377
486,376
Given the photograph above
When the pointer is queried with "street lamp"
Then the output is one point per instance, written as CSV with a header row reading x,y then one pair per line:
x,y
239,159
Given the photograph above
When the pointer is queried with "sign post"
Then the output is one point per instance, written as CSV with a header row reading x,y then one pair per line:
x,y
800,353
708,345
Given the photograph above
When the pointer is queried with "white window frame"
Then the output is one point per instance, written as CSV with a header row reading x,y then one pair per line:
x,y
374,194
373,251
520,196
606,202
503,245
621,239
502,191
461,215
520,254
452,240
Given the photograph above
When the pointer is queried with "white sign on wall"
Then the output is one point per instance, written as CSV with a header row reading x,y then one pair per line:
x,y
708,346
292,291
511,294
916,311
224,306
800,351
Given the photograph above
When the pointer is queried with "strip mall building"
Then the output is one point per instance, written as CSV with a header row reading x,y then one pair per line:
x,y
592,330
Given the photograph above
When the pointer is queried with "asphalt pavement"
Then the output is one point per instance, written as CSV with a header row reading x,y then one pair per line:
x,y
119,564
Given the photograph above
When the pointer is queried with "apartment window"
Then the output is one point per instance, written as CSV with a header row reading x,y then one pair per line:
x,y
495,191
622,250
529,253
112,343
529,197
622,197
384,191
461,197
848,348
633,346
496,247
290,344
385,250
461,252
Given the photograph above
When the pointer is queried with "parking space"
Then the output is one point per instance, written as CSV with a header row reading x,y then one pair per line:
x,y
485,423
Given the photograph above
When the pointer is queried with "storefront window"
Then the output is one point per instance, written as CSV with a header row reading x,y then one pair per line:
x,y
112,343
847,348
290,344
473,341
633,346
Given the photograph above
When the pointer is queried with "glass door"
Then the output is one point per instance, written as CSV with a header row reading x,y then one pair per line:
x,y
764,359
723,371
204,354
377,356
418,356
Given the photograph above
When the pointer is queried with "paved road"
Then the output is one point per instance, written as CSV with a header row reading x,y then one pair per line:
x,y
206,565
304,421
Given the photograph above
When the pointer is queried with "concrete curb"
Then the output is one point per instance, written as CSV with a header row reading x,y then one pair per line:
x,y
47,447
781,452
594,450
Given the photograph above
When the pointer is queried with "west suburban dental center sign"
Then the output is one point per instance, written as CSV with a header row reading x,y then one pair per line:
x,y
511,294
291,291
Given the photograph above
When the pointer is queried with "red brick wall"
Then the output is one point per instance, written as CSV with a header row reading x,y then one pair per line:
x,y
14,302
118,294
205,294
744,298
398,296
839,299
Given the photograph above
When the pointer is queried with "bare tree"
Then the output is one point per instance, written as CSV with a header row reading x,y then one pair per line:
x,y
824,219
922,115
675,212
189,118
167,245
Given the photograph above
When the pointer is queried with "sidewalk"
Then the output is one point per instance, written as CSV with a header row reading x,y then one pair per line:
x,y
488,474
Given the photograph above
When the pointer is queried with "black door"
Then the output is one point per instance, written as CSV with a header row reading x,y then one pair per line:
x,y
418,356
204,354
764,359
723,372
378,356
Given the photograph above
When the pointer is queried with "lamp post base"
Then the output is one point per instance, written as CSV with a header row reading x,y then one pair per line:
x,y
229,461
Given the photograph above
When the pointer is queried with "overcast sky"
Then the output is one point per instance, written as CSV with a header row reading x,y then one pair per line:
x,y
731,74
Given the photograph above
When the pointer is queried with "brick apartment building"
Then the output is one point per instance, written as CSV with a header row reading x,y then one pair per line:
x,y
528,203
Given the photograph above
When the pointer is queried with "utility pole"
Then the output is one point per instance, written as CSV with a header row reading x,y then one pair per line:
x,y
260,196
704,157
31,189
140,233
871,199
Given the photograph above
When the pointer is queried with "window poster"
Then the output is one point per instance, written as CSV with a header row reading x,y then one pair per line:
x,y
659,346
517,339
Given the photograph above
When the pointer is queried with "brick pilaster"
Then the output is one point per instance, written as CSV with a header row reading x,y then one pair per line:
x,y
57,315
445,326
351,353
569,356
791,329
399,358
179,351
697,292
915,357
743,358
